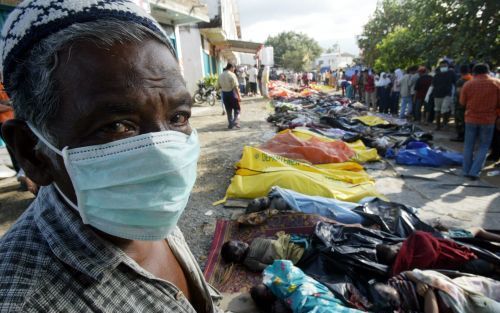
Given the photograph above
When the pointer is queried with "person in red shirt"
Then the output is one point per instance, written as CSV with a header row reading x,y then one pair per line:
x,y
481,98
370,94
354,83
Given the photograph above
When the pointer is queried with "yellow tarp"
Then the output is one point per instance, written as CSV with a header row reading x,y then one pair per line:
x,y
370,120
258,171
363,154
256,160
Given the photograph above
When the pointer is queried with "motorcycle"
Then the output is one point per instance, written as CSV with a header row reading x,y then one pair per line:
x,y
205,94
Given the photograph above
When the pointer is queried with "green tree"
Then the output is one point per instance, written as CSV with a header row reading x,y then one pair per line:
x,y
334,48
294,50
403,32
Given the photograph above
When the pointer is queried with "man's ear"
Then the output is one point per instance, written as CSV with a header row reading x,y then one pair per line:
x,y
21,141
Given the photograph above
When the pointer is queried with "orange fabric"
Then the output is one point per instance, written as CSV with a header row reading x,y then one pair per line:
x,y
5,116
481,97
312,150
3,94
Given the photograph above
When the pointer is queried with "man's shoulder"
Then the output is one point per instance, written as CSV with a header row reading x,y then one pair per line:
x,y
24,259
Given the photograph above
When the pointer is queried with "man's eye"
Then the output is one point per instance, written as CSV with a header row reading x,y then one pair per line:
x,y
117,128
180,119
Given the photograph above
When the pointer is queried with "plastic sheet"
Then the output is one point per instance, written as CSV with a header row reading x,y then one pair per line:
x,y
392,217
352,249
337,210
419,153
255,161
312,150
371,120
362,153
252,184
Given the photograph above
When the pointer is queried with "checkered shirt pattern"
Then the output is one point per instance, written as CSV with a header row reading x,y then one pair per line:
x,y
51,262
481,97
33,20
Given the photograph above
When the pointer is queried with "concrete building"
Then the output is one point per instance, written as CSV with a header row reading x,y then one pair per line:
x,y
209,46
334,60
206,33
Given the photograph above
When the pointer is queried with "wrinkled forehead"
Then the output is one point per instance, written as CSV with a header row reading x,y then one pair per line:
x,y
91,70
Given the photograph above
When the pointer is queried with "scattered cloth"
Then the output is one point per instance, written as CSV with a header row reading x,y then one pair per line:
x,y
424,251
299,291
263,251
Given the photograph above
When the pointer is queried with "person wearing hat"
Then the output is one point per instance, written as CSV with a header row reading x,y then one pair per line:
x,y
102,125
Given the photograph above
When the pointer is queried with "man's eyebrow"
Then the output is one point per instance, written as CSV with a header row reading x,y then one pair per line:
x,y
116,107
106,107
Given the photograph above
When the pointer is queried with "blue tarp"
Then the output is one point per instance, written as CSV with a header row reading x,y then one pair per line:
x,y
340,211
419,153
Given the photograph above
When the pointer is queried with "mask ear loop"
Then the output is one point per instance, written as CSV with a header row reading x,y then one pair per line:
x,y
42,139
64,155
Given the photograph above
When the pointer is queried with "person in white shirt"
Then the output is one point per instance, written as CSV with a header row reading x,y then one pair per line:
x,y
252,79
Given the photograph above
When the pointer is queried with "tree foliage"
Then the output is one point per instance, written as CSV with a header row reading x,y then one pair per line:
x,y
293,50
334,48
405,32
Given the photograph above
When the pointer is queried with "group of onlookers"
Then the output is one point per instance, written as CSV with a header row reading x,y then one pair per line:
x,y
253,81
471,97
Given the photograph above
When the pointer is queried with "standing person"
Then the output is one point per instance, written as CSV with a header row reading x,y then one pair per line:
x,y
354,83
379,89
265,82
343,82
228,82
370,93
413,81
6,114
305,80
481,99
295,78
116,158
396,91
252,79
361,86
242,81
328,77
465,76
385,84
406,97
310,78
495,143
259,78
442,87
422,85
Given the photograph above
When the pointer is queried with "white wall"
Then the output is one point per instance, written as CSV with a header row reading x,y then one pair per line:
x,y
191,56
228,9
334,60
213,7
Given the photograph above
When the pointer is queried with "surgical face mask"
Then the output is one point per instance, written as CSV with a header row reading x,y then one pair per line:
x,y
134,188
444,69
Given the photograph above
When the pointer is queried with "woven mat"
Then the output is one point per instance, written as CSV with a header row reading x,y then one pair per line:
x,y
232,278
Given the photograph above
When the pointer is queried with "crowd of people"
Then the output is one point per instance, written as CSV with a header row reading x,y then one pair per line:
x,y
469,96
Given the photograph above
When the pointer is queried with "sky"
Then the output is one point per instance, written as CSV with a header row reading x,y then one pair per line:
x,y
327,21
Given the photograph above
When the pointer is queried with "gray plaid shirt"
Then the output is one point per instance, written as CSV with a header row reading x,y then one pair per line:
x,y
51,262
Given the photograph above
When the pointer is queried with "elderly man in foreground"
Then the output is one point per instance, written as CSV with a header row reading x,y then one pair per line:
x,y
102,123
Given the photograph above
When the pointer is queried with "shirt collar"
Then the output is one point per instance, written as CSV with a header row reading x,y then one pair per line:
x,y
481,76
73,242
